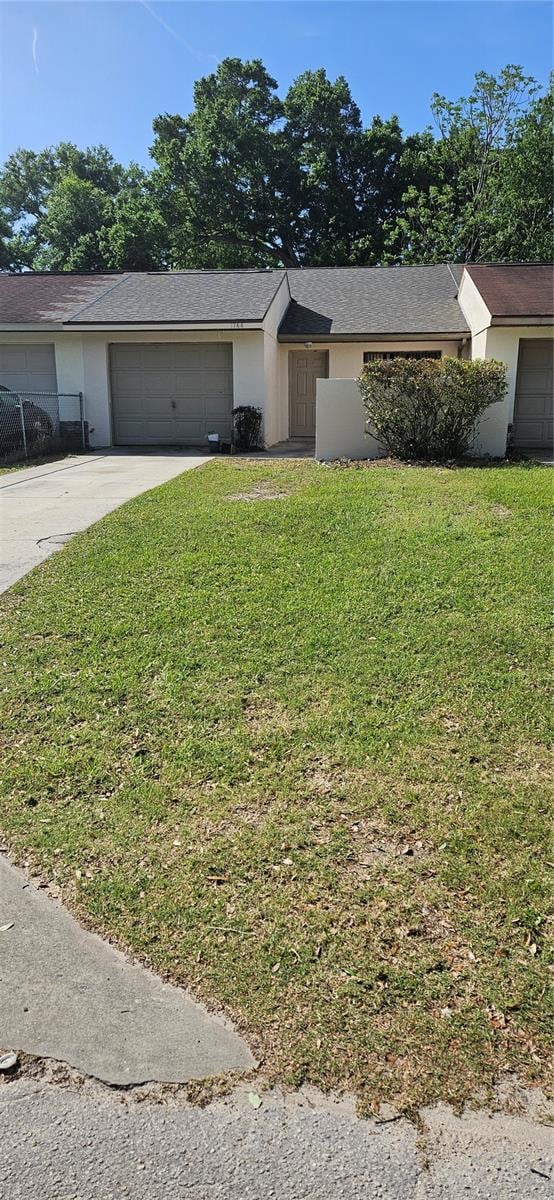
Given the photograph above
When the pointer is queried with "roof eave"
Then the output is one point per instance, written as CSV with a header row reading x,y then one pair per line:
x,y
407,336
175,326
519,319
31,327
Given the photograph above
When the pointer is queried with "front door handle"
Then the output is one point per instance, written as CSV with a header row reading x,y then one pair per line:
x,y
173,404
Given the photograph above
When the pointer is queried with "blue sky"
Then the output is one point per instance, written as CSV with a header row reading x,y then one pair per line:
x,y
94,72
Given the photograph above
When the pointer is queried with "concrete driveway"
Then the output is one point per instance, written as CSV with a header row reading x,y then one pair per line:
x,y
41,507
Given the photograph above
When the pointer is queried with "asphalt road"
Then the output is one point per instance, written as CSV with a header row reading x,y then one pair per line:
x,y
62,1144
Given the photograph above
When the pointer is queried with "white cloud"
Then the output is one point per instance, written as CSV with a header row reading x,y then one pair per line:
x,y
34,48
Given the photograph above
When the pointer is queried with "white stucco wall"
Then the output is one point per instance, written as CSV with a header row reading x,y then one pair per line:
x,y
275,426
340,422
472,305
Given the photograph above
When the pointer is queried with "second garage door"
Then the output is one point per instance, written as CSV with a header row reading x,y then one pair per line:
x,y
171,393
28,368
533,406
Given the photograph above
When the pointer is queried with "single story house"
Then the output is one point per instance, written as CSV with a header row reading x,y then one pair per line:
x,y
164,357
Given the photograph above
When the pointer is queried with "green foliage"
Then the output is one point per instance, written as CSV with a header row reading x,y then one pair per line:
x,y
485,184
247,427
67,209
136,235
248,179
221,178
428,408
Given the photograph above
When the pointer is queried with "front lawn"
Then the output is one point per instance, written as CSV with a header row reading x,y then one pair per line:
x,y
281,730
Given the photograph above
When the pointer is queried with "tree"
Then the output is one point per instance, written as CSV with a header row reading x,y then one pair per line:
x,y
74,213
455,207
5,244
221,174
323,137
78,210
521,217
248,179
136,237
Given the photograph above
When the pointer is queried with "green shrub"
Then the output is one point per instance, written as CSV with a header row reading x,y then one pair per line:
x,y
247,427
428,408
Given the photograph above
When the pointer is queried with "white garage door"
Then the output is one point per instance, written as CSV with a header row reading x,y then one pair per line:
x,y
28,368
172,393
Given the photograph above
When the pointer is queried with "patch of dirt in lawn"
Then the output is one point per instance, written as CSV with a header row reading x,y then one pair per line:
x,y
263,715
264,490
500,511
372,846
326,778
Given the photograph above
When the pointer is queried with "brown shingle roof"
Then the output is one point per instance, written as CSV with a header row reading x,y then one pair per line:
x,y
35,299
515,289
158,298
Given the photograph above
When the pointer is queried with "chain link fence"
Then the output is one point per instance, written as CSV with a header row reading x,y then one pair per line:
x,y
33,424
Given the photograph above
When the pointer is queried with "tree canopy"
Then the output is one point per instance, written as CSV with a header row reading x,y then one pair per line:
x,y
252,179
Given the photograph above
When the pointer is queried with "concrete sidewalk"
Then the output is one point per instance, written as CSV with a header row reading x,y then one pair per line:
x,y
68,995
41,507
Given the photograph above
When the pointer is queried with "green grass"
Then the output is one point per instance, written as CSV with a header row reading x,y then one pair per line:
x,y
292,752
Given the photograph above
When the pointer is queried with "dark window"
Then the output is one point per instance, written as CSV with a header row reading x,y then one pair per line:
x,y
387,355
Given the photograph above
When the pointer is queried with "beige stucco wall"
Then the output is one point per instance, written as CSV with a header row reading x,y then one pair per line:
x,y
340,422
500,342
472,305
274,428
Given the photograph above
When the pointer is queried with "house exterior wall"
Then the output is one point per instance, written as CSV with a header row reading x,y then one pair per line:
x,y
82,365
340,422
346,360
275,426
494,341
472,305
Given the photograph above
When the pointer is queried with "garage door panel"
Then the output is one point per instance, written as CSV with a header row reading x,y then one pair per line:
x,y
534,380
144,408
128,383
171,392
125,355
536,353
29,368
141,433
215,408
203,356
